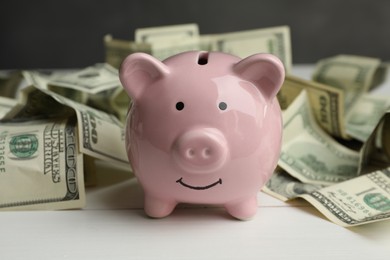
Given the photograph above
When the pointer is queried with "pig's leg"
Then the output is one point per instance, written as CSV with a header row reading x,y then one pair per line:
x,y
158,207
244,209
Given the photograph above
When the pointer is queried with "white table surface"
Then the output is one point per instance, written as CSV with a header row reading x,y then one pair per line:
x,y
113,226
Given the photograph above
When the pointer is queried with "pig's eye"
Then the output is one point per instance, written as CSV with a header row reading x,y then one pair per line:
x,y
179,105
222,105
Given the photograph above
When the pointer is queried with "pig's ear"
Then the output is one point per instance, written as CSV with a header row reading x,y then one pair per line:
x,y
264,70
138,71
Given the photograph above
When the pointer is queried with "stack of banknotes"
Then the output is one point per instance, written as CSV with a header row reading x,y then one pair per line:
x,y
53,129
336,138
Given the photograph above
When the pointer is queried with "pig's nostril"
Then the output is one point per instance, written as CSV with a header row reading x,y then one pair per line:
x,y
190,153
206,153
193,153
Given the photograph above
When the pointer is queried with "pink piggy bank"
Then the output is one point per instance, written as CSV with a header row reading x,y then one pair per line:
x,y
204,127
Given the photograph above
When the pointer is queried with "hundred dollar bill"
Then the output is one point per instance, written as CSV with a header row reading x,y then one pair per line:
x,y
97,86
274,40
6,104
113,101
375,152
34,104
353,74
308,153
365,116
36,78
92,80
284,187
40,101
354,202
116,50
206,41
101,135
40,165
326,102
166,41
41,80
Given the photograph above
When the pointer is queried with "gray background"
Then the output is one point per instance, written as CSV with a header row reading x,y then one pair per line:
x,y
69,33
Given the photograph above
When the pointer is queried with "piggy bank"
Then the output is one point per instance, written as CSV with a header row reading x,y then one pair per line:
x,y
204,128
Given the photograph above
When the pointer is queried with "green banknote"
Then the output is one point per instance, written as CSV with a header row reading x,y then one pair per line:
x,y
41,166
309,153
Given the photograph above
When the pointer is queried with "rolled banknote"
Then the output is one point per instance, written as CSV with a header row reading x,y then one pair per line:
x,y
101,135
326,102
366,115
353,74
309,153
375,153
40,165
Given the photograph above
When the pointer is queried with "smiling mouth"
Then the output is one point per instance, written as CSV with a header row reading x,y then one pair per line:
x,y
199,187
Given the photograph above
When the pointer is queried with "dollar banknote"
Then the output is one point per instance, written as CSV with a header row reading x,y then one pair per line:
x,y
284,187
309,153
166,41
97,86
38,78
40,165
6,104
42,79
375,152
326,102
116,50
91,80
354,202
357,201
101,135
366,115
206,41
274,40
9,83
34,104
353,74
114,100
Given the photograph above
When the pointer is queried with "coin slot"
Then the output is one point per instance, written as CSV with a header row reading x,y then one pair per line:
x,y
203,58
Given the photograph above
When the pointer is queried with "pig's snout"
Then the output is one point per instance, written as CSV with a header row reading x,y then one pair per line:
x,y
200,150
